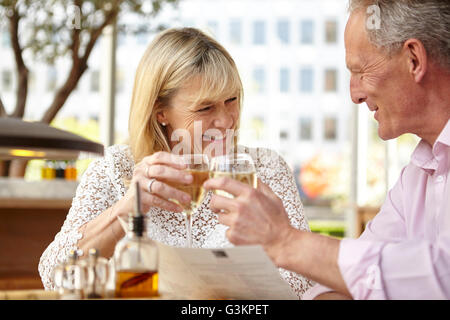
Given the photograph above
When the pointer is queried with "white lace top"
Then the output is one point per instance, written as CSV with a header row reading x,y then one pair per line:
x,y
102,185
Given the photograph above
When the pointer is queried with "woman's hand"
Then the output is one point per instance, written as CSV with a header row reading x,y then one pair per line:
x,y
163,167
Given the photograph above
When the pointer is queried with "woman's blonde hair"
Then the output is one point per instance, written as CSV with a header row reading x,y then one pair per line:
x,y
174,57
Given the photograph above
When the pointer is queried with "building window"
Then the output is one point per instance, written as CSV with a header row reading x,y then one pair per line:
x,y
235,31
306,80
330,128
121,38
330,80
213,28
7,80
259,32
95,81
284,135
52,78
330,31
283,28
189,23
142,38
305,127
259,78
284,80
120,80
6,42
307,32
258,127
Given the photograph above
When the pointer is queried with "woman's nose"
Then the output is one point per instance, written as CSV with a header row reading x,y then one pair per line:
x,y
223,118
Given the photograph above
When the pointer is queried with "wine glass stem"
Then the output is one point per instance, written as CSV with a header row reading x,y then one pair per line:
x,y
188,219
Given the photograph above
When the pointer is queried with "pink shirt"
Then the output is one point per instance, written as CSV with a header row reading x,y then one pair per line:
x,y
404,252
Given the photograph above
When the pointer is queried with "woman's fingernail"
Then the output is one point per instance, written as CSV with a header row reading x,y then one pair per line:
x,y
188,178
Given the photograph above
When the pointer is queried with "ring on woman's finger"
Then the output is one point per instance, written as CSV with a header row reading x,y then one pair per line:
x,y
149,186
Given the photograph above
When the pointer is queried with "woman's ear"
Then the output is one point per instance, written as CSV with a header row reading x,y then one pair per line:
x,y
161,118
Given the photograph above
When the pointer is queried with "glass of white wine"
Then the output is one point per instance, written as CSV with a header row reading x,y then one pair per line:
x,y
197,165
238,166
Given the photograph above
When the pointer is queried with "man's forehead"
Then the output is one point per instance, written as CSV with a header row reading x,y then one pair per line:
x,y
356,41
355,31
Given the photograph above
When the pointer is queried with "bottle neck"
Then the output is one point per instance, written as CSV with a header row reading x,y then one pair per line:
x,y
136,227
134,235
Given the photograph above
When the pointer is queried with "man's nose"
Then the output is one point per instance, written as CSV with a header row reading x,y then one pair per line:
x,y
357,94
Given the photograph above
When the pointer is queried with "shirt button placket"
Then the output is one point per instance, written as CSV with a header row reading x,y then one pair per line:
x,y
439,195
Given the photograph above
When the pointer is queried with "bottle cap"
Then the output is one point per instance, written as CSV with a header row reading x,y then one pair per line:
x,y
73,256
136,219
94,253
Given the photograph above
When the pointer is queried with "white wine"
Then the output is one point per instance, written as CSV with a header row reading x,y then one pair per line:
x,y
195,189
244,177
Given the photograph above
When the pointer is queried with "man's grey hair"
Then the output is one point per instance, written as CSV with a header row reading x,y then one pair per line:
x,y
400,20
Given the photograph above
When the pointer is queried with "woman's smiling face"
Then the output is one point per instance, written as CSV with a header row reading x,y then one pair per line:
x,y
202,124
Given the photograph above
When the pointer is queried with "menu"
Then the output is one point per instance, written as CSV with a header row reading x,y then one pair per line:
x,y
240,272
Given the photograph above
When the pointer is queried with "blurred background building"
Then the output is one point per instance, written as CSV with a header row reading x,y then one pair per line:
x,y
291,57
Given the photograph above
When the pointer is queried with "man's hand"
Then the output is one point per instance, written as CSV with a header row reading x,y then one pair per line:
x,y
255,216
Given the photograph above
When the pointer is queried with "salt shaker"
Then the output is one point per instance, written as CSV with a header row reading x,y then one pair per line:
x,y
96,272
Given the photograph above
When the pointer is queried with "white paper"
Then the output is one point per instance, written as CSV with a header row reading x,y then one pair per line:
x,y
241,272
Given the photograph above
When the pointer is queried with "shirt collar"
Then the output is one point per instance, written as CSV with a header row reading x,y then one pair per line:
x,y
443,140
426,157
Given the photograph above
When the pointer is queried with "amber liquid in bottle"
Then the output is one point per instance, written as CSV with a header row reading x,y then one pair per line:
x,y
131,283
136,259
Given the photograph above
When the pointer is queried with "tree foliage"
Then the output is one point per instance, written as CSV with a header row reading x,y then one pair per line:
x,y
44,31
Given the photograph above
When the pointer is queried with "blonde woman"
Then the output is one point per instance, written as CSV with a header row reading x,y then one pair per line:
x,y
186,82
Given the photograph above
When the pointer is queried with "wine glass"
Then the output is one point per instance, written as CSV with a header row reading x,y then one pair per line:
x,y
198,166
238,166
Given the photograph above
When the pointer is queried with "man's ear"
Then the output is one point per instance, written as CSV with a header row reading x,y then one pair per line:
x,y
417,58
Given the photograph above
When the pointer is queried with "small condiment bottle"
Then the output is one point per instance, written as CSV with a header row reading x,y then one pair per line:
x,y
96,272
71,279
70,172
136,259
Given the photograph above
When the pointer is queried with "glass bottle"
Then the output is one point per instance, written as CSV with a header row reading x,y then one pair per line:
x,y
68,278
44,171
50,170
136,259
70,173
59,169
96,272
